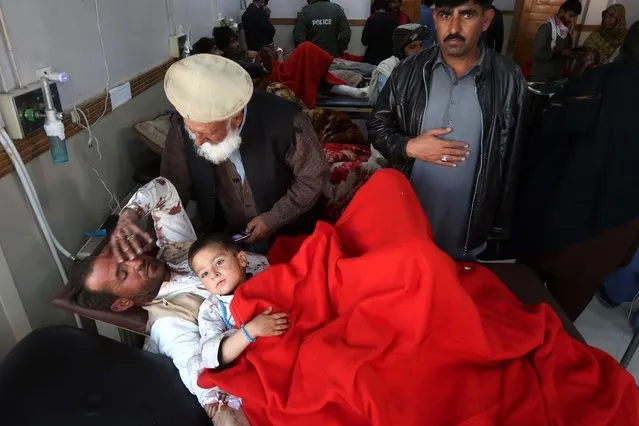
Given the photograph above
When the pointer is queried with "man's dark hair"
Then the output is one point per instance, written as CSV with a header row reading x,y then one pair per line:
x,y
203,45
220,239
572,6
380,5
78,275
485,4
223,36
428,3
630,48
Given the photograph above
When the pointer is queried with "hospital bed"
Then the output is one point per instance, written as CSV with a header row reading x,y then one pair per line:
x,y
354,107
519,279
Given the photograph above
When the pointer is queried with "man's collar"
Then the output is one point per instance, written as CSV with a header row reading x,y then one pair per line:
x,y
226,299
244,118
439,60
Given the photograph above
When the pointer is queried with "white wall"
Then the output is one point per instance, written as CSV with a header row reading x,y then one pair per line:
x,y
14,323
7,338
285,8
355,9
632,10
63,34
593,14
195,15
231,8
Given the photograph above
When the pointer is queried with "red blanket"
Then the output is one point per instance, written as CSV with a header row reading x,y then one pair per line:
x,y
303,71
387,330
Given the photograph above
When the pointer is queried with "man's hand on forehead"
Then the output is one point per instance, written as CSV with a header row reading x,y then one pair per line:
x,y
129,240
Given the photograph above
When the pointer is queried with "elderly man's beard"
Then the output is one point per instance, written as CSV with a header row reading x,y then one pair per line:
x,y
218,153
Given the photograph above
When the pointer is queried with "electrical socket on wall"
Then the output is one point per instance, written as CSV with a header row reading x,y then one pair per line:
x,y
41,72
75,117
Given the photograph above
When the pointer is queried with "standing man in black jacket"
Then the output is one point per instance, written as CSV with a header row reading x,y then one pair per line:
x,y
494,35
324,24
378,33
257,26
449,118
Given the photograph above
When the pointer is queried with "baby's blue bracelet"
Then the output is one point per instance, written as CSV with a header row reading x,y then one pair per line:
x,y
248,337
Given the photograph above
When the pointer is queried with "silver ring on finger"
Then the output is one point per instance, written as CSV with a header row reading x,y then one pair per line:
x,y
129,237
444,159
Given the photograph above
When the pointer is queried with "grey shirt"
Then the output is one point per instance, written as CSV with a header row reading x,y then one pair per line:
x,y
549,64
444,192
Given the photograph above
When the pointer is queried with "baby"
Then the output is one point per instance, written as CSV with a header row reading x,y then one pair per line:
x,y
220,264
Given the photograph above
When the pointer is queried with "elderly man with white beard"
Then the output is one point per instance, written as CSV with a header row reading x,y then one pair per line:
x,y
250,160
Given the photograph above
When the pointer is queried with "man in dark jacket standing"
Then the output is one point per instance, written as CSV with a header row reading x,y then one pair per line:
x,y
257,26
323,23
378,34
494,35
449,117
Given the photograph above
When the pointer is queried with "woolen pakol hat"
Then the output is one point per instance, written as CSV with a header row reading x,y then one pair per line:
x,y
208,88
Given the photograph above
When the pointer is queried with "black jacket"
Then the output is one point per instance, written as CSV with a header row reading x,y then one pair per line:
x,y
501,90
580,176
494,35
324,24
257,27
378,37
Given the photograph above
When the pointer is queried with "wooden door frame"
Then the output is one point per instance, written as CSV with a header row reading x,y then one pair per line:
x,y
585,5
514,29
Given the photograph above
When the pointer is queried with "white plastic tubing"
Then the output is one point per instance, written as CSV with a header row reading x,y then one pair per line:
x,y
12,55
34,201
32,196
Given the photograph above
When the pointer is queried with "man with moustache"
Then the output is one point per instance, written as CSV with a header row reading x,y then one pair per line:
x,y
252,154
450,119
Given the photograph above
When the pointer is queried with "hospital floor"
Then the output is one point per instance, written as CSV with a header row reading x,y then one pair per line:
x,y
608,330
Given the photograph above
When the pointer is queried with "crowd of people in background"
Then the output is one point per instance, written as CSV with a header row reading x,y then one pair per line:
x,y
388,36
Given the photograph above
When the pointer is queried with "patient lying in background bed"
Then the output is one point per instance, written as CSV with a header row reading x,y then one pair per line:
x,y
305,70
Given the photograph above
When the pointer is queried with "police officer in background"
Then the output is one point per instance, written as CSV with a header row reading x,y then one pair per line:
x,y
324,24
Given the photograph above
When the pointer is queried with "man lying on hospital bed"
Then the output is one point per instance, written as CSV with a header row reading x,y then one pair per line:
x,y
128,273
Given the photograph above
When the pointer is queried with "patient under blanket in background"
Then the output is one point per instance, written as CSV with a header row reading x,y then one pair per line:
x,y
387,330
303,71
